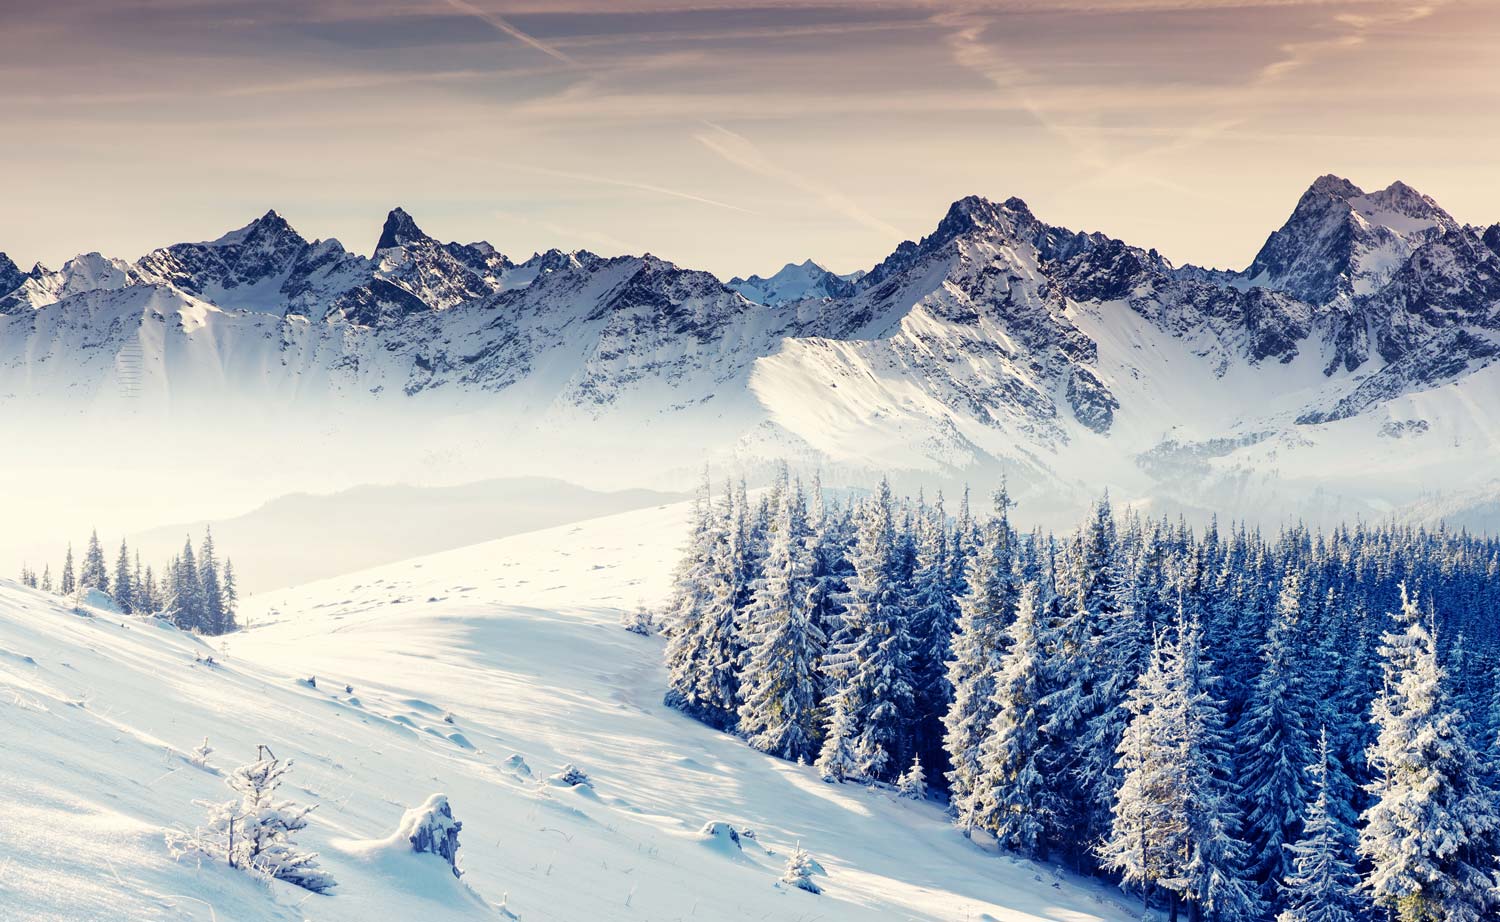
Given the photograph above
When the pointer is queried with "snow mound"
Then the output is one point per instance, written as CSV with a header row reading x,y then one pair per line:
x,y
97,599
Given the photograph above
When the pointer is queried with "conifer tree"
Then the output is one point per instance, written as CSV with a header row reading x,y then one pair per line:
x,y
913,782
1090,596
703,654
46,584
836,761
1009,796
255,833
93,574
231,591
1323,885
985,610
185,592
68,585
1432,834
124,586
779,681
215,618
871,658
934,616
1277,741
1173,822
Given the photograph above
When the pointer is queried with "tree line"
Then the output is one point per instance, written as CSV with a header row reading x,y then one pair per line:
x,y
1302,726
195,590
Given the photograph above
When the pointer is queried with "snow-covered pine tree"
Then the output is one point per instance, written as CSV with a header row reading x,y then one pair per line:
x,y
684,619
934,616
1174,819
93,574
831,544
1149,836
985,610
231,591
1322,885
1433,832
1090,594
46,584
150,600
185,592
124,583
871,657
216,618
836,761
778,711
1008,799
255,832
703,656
1277,740
67,585
913,782
1122,644
799,871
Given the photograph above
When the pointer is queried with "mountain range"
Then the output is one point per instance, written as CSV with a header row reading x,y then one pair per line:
x,y
1349,368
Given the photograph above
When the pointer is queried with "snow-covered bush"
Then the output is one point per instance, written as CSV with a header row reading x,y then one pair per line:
x,y
254,833
431,829
572,776
639,621
799,871
199,756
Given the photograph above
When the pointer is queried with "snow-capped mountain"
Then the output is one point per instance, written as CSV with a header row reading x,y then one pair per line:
x,y
997,343
795,282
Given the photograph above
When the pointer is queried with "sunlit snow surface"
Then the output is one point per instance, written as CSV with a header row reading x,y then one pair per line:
x,y
459,663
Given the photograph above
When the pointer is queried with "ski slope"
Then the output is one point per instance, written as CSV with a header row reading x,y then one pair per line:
x,y
476,673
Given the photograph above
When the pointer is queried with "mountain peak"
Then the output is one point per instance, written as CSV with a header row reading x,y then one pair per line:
x,y
1336,186
399,230
268,225
11,276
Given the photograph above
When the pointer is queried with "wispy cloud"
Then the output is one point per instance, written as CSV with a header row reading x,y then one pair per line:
x,y
740,151
591,179
502,25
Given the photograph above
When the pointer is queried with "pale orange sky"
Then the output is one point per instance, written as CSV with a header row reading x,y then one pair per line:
x,y
730,136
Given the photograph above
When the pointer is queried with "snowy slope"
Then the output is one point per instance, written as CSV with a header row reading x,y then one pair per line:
x,y
516,641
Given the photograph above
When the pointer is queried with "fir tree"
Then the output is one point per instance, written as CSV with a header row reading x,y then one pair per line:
x,y
1008,799
185,593
871,657
1322,885
1276,740
1173,821
703,655
913,782
934,615
231,591
836,761
1432,834
216,619
985,610
779,683
93,574
255,833
124,585
68,585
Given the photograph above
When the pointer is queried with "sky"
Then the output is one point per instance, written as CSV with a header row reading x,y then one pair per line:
x,y
730,136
